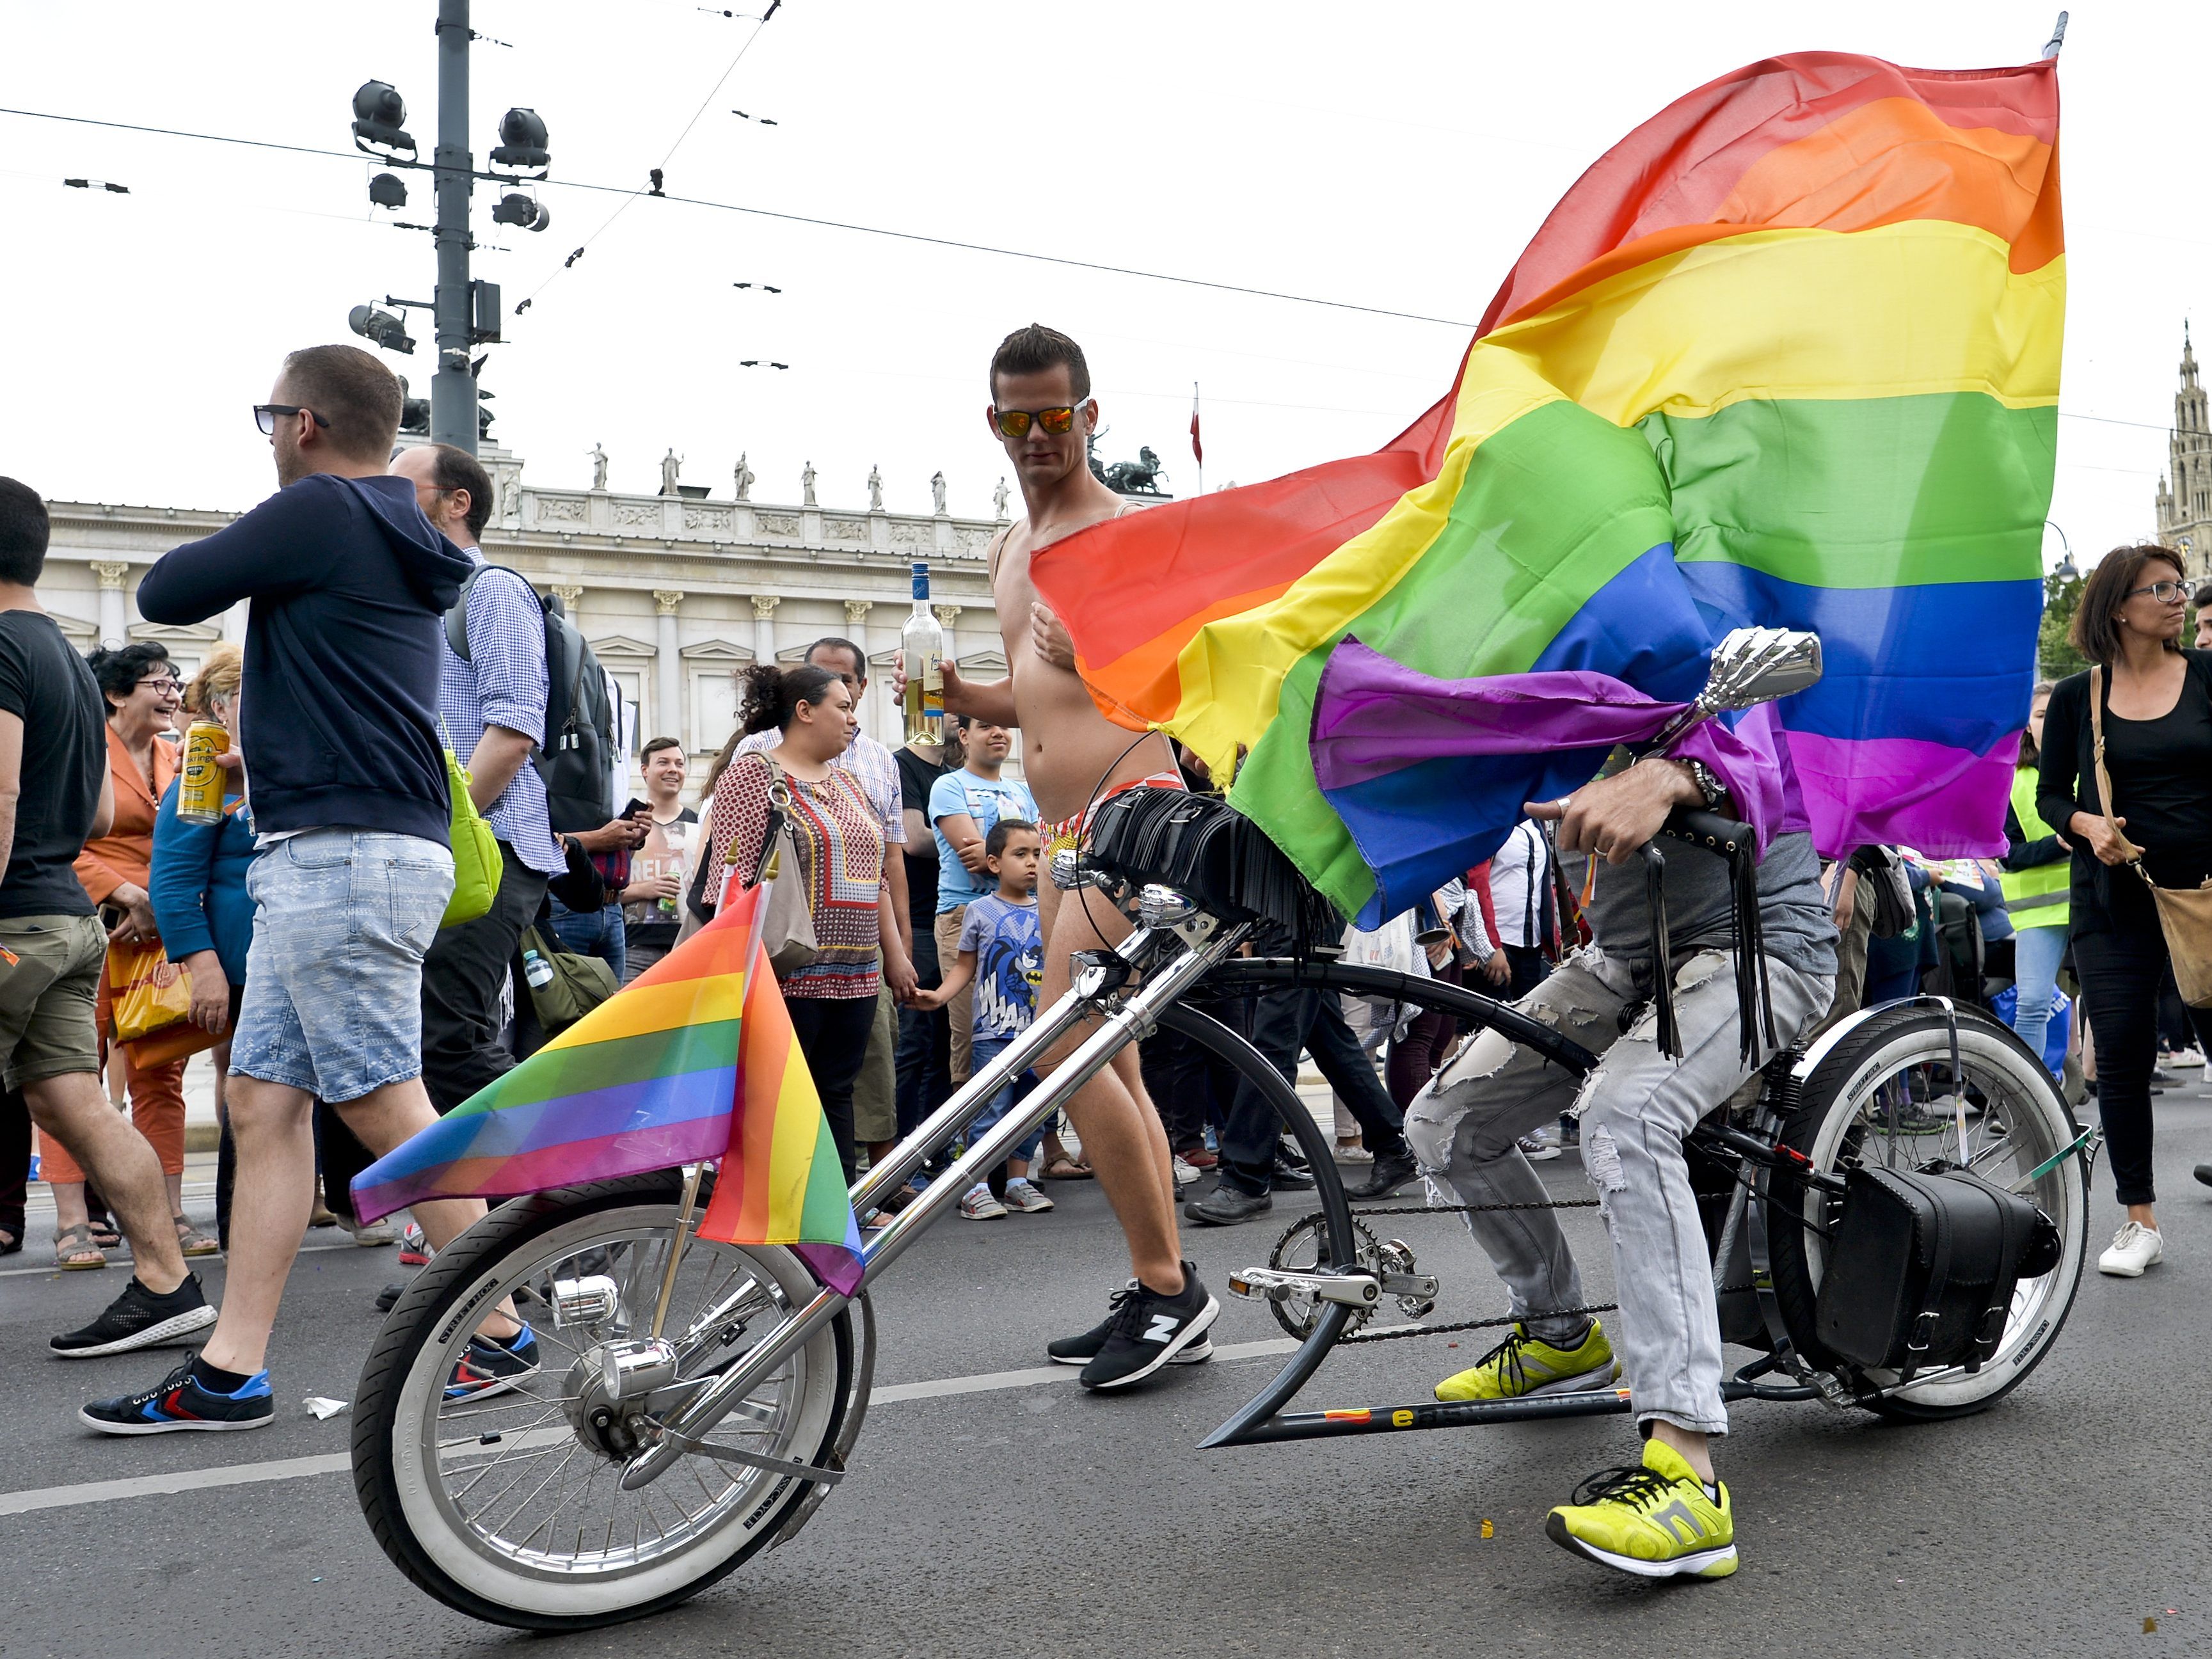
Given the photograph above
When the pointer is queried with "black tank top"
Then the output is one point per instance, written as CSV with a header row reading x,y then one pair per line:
x,y
2161,772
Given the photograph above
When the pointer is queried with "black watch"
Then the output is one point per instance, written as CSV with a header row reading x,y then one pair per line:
x,y
1709,784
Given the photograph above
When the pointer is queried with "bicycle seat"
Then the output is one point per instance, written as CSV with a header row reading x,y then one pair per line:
x,y
1211,853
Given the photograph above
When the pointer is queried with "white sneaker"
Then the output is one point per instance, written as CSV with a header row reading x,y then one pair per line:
x,y
976,1204
1023,1194
1536,1149
2135,1247
1184,1174
2184,1058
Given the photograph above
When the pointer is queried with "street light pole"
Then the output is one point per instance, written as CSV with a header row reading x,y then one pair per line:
x,y
452,388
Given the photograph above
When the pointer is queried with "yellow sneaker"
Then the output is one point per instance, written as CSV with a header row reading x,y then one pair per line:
x,y
1523,1364
1654,1520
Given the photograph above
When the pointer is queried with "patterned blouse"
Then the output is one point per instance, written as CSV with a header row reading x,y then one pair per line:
x,y
840,860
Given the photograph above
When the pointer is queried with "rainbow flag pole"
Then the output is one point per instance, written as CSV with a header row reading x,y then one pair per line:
x,y
1788,356
694,1059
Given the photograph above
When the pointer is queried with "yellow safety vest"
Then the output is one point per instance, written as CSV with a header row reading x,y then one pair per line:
x,y
2036,898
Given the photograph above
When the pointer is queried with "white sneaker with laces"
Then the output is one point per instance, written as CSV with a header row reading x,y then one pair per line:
x,y
976,1204
2184,1059
2134,1247
1023,1194
1184,1174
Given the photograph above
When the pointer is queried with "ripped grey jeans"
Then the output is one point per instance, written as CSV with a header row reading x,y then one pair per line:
x,y
1634,1109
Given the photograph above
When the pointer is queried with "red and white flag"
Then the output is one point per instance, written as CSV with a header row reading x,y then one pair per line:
x,y
1197,452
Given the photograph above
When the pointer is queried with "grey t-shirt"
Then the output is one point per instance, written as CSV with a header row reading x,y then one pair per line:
x,y
1794,914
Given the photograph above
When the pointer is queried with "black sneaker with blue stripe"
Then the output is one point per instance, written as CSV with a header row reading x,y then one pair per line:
x,y
179,1401
491,1367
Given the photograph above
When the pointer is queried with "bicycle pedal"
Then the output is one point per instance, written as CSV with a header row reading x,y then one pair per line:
x,y
1275,1285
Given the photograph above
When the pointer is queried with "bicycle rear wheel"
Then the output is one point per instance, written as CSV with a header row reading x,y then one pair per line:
x,y
1874,1100
508,1507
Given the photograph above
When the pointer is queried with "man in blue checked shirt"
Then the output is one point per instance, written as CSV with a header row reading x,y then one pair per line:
x,y
494,708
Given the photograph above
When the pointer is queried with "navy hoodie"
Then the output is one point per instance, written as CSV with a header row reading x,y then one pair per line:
x,y
339,710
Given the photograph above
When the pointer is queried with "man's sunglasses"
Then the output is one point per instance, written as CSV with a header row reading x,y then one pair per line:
x,y
265,416
2164,592
1015,423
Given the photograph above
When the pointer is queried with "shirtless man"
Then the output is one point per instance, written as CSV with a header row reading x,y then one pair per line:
x,y
1042,413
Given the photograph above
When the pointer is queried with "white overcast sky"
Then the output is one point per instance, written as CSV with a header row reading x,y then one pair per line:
x,y
1392,156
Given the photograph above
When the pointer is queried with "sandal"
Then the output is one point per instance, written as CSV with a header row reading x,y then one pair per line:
x,y
11,1238
190,1241
76,1249
106,1234
1064,1168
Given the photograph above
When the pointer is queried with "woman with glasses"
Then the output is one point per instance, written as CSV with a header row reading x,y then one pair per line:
x,y
2156,708
143,694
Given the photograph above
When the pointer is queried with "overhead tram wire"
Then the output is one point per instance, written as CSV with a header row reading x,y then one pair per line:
x,y
793,218
555,275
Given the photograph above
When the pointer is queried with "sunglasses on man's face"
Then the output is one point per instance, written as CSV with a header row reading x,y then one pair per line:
x,y
265,416
1015,423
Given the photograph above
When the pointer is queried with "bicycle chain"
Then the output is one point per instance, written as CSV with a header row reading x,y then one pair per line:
x,y
1484,1324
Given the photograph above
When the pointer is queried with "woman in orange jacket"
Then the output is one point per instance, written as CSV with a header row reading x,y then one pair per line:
x,y
142,688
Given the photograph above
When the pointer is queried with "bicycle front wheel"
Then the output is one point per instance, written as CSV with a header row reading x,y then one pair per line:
x,y
1880,1097
508,1507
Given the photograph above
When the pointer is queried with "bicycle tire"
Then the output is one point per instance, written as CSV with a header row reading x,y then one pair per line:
x,y
1891,1039
381,1409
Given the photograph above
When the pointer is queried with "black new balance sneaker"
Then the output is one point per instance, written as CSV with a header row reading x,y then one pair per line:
x,y
179,1401
139,1319
1082,1350
1149,1331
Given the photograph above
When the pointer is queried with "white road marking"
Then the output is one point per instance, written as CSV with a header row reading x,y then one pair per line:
x,y
294,1469
120,1257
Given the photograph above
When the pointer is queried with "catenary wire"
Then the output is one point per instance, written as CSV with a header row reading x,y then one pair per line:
x,y
791,218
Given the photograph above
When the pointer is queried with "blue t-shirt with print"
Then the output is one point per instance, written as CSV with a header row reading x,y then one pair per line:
x,y
1009,945
986,801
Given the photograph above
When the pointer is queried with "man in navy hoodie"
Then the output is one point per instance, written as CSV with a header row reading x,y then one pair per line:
x,y
345,771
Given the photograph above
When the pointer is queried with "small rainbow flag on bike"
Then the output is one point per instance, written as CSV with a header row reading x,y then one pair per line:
x,y
1786,357
695,1059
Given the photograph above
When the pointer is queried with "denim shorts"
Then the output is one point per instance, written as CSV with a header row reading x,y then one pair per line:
x,y
333,1000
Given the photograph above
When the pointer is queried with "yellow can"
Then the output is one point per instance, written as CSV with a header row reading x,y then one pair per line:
x,y
199,790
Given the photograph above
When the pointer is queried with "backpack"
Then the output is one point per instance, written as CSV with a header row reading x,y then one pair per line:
x,y
576,759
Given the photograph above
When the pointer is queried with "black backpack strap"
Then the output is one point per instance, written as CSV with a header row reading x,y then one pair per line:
x,y
457,618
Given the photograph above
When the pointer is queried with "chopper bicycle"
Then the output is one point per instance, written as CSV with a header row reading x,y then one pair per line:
x,y
697,1401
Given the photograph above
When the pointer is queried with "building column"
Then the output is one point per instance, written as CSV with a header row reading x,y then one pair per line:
x,y
764,627
856,630
949,616
234,622
671,716
114,610
571,597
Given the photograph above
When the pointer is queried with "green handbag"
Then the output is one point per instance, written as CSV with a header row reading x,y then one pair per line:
x,y
573,985
475,851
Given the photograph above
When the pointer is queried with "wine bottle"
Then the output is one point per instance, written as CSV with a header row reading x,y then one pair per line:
x,y
922,640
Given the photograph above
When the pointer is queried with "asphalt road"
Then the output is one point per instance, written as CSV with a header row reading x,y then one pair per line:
x,y
1034,1519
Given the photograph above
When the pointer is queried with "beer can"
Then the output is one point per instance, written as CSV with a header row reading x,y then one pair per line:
x,y
199,790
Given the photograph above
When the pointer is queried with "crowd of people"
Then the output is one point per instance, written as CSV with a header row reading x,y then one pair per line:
x,y
357,957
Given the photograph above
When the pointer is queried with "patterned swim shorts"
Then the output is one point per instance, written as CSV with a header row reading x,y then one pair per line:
x,y
1068,832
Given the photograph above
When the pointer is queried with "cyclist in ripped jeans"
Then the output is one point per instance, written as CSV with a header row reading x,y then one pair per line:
x,y
1669,1515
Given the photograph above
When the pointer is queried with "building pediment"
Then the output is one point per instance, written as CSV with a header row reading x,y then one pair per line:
x,y
717,650
198,634
621,644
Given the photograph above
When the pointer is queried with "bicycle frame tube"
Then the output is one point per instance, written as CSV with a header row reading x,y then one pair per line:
x,y
697,1417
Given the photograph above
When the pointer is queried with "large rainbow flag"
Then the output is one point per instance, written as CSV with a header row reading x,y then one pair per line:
x,y
694,1058
1787,356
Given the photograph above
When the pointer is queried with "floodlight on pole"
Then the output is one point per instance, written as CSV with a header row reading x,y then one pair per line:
x,y
380,328
516,208
378,111
521,145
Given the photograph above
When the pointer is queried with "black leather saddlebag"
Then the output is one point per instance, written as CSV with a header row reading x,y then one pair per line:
x,y
1921,1269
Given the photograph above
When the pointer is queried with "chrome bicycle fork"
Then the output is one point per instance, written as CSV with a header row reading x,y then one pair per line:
x,y
1089,997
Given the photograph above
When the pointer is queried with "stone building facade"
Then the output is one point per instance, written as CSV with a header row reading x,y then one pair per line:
x,y
2185,493
676,591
